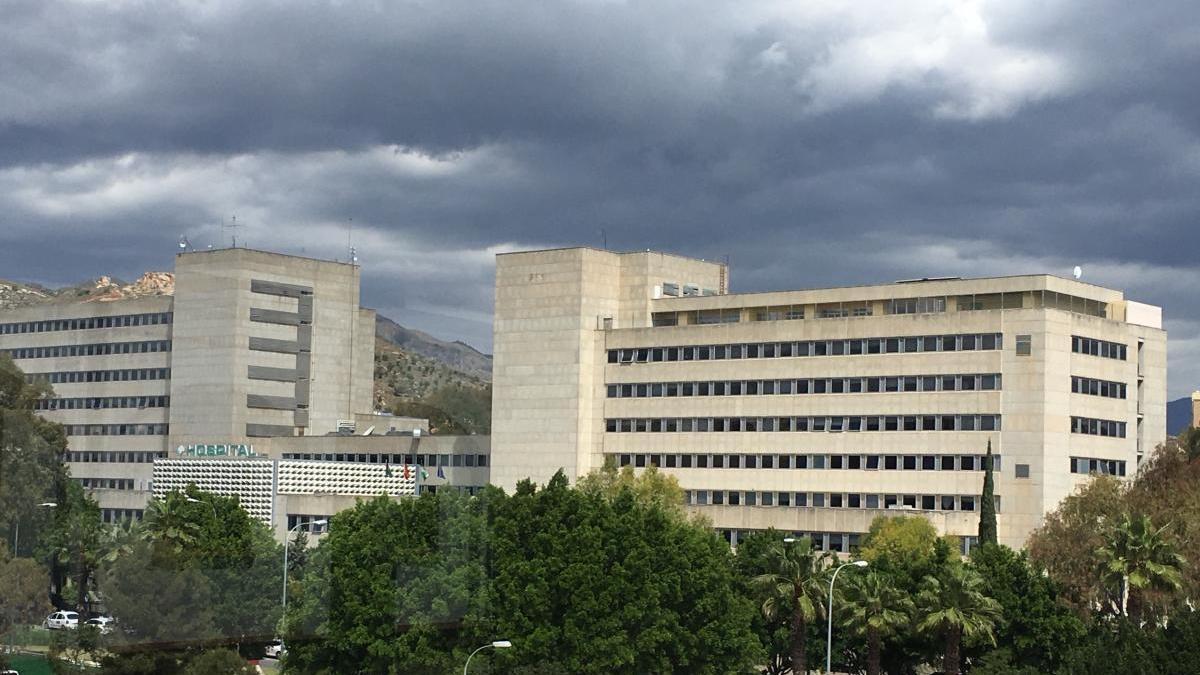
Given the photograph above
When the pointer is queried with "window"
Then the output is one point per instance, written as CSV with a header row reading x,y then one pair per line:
x,y
1024,345
1022,471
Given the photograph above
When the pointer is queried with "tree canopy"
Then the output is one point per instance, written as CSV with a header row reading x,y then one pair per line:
x,y
581,581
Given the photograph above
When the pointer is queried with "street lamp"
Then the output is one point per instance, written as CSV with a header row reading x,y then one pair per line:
x,y
498,644
193,500
286,540
17,528
829,609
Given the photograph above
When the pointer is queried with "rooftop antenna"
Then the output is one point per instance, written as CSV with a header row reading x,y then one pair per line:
x,y
232,227
1077,272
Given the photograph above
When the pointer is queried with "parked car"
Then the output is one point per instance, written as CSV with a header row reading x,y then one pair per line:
x,y
275,649
103,623
59,620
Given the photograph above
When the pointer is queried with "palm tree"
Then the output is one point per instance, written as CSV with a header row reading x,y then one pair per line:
x,y
794,583
874,607
954,606
166,520
1137,556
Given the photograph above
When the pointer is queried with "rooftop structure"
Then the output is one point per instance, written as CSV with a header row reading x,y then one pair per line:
x,y
816,410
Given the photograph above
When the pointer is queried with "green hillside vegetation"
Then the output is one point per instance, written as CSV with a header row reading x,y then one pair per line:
x,y
413,385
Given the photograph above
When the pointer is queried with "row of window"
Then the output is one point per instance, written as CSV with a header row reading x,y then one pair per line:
x,y
120,515
845,542
430,460
819,385
116,456
295,520
832,500
807,423
102,402
770,350
1087,385
470,490
116,429
86,323
95,349
810,461
106,483
1090,465
118,375
1109,350
1097,427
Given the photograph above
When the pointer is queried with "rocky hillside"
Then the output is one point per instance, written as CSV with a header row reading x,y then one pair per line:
x,y
417,375
456,355
105,289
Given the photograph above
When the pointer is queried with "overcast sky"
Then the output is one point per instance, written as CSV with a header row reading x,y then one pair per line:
x,y
815,143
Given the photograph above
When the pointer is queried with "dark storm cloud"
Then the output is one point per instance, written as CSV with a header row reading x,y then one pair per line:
x,y
813,143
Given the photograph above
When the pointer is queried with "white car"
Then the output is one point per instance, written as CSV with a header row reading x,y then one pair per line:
x,y
103,623
60,620
275,649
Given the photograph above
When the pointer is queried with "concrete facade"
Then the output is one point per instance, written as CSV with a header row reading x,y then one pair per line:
x,y
253,348
886,395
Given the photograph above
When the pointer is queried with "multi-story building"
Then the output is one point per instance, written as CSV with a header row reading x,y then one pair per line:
x,y
815,411
253,348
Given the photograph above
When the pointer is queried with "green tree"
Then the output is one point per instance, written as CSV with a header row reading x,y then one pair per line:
x,y
31,460
1066,543
874,608
170,522
908,547
75,542
1189,438
1136,557
794,586
581,581
202,570
24,598
954,607
1037,628
650,487
987,502
219,662
773,634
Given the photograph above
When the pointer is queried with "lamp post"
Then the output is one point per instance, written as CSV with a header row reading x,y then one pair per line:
x,y
287,539
498,644
829,610
193,500
17,528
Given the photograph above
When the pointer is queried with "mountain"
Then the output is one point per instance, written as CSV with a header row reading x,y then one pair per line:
x,y
418,375
1179,415
456,355
15,294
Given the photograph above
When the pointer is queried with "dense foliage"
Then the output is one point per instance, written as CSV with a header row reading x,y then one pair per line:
x,y
581,580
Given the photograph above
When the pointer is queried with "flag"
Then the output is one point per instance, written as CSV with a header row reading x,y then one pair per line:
x,y
423,472
406,474
387,468
441,474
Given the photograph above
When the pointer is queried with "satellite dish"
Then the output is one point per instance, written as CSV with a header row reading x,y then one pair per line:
x,y
1077,272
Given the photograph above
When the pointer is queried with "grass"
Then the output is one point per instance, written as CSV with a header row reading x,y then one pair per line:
x,y
27,664
29,636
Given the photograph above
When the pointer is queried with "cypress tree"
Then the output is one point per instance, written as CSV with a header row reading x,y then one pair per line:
x,y
987,509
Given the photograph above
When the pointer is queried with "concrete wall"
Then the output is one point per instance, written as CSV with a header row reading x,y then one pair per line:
x,y
551,371
551,313
307,309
